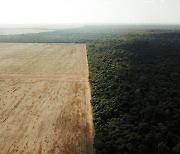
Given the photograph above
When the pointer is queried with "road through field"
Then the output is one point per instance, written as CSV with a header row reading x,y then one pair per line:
x,y
45,99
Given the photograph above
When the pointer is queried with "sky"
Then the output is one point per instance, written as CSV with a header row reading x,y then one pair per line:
x,y
89,11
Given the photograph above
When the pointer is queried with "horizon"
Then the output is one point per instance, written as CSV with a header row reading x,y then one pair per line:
x,y
91,24
87,12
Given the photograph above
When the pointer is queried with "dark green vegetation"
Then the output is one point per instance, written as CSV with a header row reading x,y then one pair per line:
x,y
136,96
135,81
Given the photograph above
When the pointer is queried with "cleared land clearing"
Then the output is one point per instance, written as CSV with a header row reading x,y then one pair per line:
x,y
25,29
45,99
13,31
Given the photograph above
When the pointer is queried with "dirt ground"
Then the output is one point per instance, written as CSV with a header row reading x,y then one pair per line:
x,y
45,99
13,31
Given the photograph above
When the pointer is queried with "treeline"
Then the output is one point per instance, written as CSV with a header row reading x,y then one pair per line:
x,y
135,81
94,34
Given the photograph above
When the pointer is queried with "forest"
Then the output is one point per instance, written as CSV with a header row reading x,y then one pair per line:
x,y
136,96
135,83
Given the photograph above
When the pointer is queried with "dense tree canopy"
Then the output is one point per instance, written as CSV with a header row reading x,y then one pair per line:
x,y
136,95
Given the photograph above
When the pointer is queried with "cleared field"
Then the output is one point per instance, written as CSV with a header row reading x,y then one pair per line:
x,y
13,31
45,99
25,29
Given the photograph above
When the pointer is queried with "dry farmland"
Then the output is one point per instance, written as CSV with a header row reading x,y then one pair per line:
x,y
45,99
12,31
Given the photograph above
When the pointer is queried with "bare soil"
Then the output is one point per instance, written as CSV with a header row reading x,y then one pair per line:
x,y
45,99
13,31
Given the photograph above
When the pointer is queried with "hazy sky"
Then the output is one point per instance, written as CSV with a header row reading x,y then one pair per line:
x,y
89,11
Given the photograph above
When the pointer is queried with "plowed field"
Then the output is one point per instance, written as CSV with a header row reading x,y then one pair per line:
x,y
45,99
